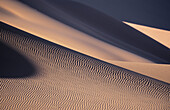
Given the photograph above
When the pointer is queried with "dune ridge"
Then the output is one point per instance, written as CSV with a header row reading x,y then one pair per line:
x,y
159,35
157,71
151,54
59,33
18,15
55,55
66,79
105,28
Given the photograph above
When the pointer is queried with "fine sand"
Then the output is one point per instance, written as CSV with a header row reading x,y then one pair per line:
x,y
159,35
58,58
65,79
38,24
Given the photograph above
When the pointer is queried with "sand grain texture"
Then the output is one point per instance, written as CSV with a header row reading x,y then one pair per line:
x,y
54,55
18,15
66,79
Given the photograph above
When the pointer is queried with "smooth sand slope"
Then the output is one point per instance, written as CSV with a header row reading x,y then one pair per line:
x,y
28,19
159,35
109,48
103,27
65,79
157,71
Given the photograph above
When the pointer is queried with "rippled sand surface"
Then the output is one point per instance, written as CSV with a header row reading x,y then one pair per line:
x,y
54,57
67,79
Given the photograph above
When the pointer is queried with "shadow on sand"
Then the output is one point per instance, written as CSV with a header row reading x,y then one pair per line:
x,y
103,27
13,64
153,13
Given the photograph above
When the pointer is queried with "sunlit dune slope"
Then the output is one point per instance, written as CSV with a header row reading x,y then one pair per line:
x,y
162,36
157,71
65,79
103,27
99,45
127,43
54,31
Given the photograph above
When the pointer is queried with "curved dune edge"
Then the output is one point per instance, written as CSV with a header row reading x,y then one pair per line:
x,y
66,79
162,36
59,33
31,21
157,71
104,28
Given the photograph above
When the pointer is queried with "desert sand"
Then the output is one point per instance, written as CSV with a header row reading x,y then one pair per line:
x,y
61,60
159,35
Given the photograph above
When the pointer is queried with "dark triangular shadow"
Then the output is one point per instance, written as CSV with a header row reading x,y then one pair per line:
x,y
13,64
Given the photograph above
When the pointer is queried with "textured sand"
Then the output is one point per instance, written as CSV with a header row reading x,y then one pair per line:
x,y
157,71
66,79
18,15
79,65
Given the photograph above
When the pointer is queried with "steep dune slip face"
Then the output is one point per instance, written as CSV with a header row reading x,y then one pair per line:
x,y
66,79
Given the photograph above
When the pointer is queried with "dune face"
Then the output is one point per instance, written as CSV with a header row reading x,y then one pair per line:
x,y
66,79
155,14
159,35
31,21
57,54
14,65
104,28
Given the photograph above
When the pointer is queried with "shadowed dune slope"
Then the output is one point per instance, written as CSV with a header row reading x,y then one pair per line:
x,y
30,20
103,27
66,79
152,13
13,64
159,35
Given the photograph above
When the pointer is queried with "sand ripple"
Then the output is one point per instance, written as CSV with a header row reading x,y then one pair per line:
x,y
66,79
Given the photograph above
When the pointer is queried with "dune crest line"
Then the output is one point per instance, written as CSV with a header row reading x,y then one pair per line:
x,y
66,79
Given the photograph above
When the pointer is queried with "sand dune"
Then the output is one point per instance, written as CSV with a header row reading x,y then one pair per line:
x,y
66,79
13,13
159,35
121,38
59,33
105,28
157,71
58,56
